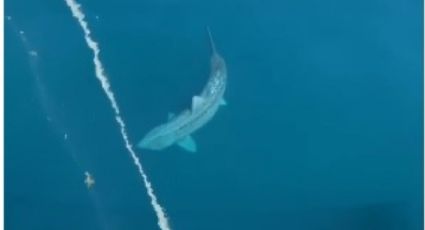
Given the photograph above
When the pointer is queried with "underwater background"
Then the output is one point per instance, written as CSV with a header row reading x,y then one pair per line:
x,y
323,127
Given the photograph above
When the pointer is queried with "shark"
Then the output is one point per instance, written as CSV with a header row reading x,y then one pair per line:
x,y
179,128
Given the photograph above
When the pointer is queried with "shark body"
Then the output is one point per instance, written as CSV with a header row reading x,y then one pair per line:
x,y
204,106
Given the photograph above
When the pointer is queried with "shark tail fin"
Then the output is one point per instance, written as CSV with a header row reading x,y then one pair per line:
x,y
211,40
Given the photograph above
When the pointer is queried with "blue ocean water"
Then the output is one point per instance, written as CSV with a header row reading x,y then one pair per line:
x,y
323,127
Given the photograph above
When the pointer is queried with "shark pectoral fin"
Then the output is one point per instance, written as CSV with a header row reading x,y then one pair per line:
x,y
171,116
197,101
188,144
223,102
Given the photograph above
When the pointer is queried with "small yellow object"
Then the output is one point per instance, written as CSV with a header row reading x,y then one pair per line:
x,y
89,181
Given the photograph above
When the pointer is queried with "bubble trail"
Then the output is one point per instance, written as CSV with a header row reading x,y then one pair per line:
x,y
100,75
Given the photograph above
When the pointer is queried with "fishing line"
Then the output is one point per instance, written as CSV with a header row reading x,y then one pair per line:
x,y
100,75
51,116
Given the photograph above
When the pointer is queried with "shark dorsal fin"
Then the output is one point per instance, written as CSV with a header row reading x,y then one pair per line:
x,y
197,102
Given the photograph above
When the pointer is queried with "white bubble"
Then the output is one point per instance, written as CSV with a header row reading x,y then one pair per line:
x,y
104,81
9,18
